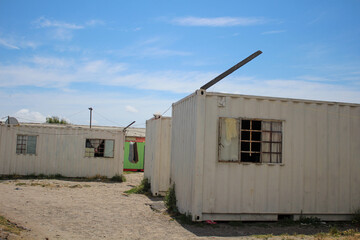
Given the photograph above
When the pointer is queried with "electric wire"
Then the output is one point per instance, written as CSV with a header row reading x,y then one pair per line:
x,y
167,110
106,118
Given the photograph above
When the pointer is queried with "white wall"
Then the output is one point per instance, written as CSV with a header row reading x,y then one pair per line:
x,y
157,154
318,174
59,150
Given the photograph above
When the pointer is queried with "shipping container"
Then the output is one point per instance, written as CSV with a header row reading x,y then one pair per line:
x,y
238,157
157,154
69,150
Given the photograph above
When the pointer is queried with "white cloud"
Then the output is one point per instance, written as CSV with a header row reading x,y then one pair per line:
x,y
25,115
17,43
6,44
62,34
218,21
44,23
102,66
150,48
290,88
95,22
131,109
74,107
173,81
57,72
273,32
59,30
51,62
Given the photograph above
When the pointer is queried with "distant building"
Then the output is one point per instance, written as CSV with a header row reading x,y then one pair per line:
x,y
69,150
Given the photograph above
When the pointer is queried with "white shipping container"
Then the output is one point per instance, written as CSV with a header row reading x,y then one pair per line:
x,y
238,157
69,150
157,154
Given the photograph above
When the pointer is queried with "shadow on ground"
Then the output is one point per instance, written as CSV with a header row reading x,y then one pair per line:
x,y
262,229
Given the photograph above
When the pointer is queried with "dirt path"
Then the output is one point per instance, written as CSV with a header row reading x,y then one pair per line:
x,y
54,209
57,209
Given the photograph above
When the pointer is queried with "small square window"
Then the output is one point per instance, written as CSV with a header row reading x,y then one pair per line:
x,y
26,144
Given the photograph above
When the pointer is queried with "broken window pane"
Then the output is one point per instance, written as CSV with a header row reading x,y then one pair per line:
x,y
260,140
99,148
229,140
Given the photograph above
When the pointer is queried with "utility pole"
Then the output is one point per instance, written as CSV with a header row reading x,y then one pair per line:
x,y
90,108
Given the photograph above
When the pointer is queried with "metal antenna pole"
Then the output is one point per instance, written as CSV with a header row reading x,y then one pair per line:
x,y
90,108
128,126
231,70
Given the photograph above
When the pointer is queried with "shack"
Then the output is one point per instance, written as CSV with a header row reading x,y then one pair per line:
x,y
157,154
69,150
239,157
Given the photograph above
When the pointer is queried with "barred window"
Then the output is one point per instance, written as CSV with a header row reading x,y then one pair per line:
x,y
99,148
250,140
26,144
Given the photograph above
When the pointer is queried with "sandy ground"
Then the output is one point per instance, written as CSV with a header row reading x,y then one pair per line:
x,y
54,209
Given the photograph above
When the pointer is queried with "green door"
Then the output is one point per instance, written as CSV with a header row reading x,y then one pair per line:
x,y
130,164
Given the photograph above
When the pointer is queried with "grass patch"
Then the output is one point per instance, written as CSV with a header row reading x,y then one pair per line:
x,y
170,200
20,184
310,220
143,188
7,226
51,185
266,236
118,178
356,217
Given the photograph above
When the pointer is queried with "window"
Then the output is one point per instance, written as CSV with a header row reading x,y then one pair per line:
x,y
99,148
26,144
250,140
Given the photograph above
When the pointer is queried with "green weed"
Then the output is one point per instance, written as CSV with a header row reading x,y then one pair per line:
x,y
170,200
143,188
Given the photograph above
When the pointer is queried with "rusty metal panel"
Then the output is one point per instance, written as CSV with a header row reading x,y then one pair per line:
x,y
59,150
157,154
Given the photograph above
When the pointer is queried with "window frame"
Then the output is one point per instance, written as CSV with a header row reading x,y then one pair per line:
x,y
24,144
279,152
91,154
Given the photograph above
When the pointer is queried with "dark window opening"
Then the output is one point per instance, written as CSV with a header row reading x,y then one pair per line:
x,y
99,148
247,157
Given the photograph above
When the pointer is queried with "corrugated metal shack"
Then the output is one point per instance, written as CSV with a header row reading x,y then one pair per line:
x,y
238,157
69,150
157,154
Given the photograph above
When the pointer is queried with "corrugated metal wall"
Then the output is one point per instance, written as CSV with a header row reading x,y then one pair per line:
x,y
157,154
59,150
183,150
318,174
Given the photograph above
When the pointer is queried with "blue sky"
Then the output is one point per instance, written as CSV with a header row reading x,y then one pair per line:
x,y
130,59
